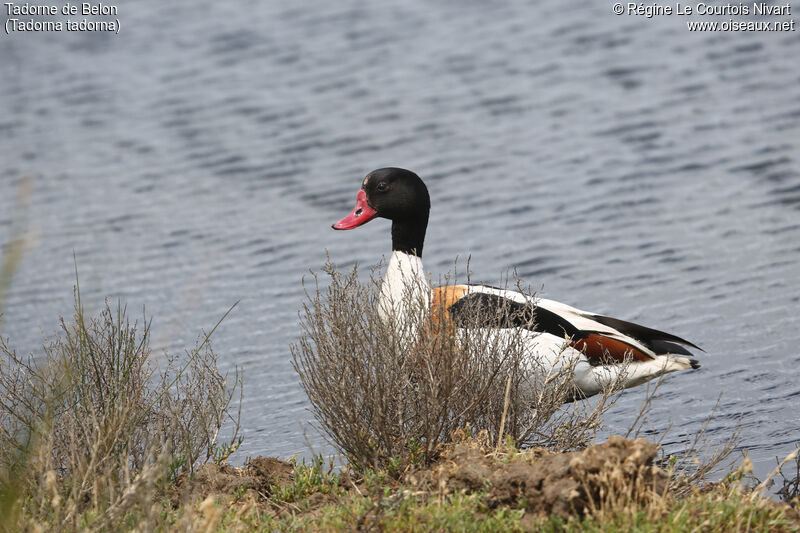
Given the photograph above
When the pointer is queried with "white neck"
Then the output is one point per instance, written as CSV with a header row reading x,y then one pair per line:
x,y
405,292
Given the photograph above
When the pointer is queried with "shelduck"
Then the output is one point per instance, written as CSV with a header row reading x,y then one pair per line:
x,y
597,345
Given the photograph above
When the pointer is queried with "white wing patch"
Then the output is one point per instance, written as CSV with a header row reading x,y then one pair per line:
x,y
581,320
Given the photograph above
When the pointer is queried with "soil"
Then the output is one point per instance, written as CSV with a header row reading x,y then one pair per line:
x,y
547,483
251,482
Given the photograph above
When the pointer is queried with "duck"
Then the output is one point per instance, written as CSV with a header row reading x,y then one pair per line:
x,y
603,349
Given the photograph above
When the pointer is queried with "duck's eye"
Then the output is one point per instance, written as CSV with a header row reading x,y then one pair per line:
x,y
382,186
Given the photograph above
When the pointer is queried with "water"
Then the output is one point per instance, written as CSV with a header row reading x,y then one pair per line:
x,y
623,164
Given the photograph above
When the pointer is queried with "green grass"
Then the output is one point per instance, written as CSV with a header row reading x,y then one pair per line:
x,y
722,510
404,512
313,478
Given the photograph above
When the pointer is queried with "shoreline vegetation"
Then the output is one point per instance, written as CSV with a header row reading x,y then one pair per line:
x,y
442,432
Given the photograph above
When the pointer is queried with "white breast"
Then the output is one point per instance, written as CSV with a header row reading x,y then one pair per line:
x,y
405,293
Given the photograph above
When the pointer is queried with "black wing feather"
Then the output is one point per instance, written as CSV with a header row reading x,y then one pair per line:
x,y
495,311
649,336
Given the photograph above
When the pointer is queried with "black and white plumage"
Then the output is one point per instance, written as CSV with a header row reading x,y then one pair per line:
x,y
554,332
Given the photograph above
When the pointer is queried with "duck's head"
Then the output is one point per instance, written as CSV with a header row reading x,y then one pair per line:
x,y
396,194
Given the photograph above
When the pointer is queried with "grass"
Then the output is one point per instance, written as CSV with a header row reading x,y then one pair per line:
x,y
307,479
17,240
789,490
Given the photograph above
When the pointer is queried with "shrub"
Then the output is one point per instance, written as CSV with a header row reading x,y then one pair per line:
x,y
91,428
389,393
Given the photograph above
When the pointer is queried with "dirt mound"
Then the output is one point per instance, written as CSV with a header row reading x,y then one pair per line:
x,y
542,482
251,481
562,484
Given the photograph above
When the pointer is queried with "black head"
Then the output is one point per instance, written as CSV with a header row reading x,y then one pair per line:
x,y
396,194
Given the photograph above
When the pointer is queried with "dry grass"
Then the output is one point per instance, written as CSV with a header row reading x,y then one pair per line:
x,y
389,394
701,459
91,430
789,491
18,239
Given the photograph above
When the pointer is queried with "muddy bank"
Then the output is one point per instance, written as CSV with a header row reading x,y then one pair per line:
x,y
617,474
543,482
547,483
255,482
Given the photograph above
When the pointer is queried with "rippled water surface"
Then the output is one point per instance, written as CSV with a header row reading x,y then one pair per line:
x,y
624,164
